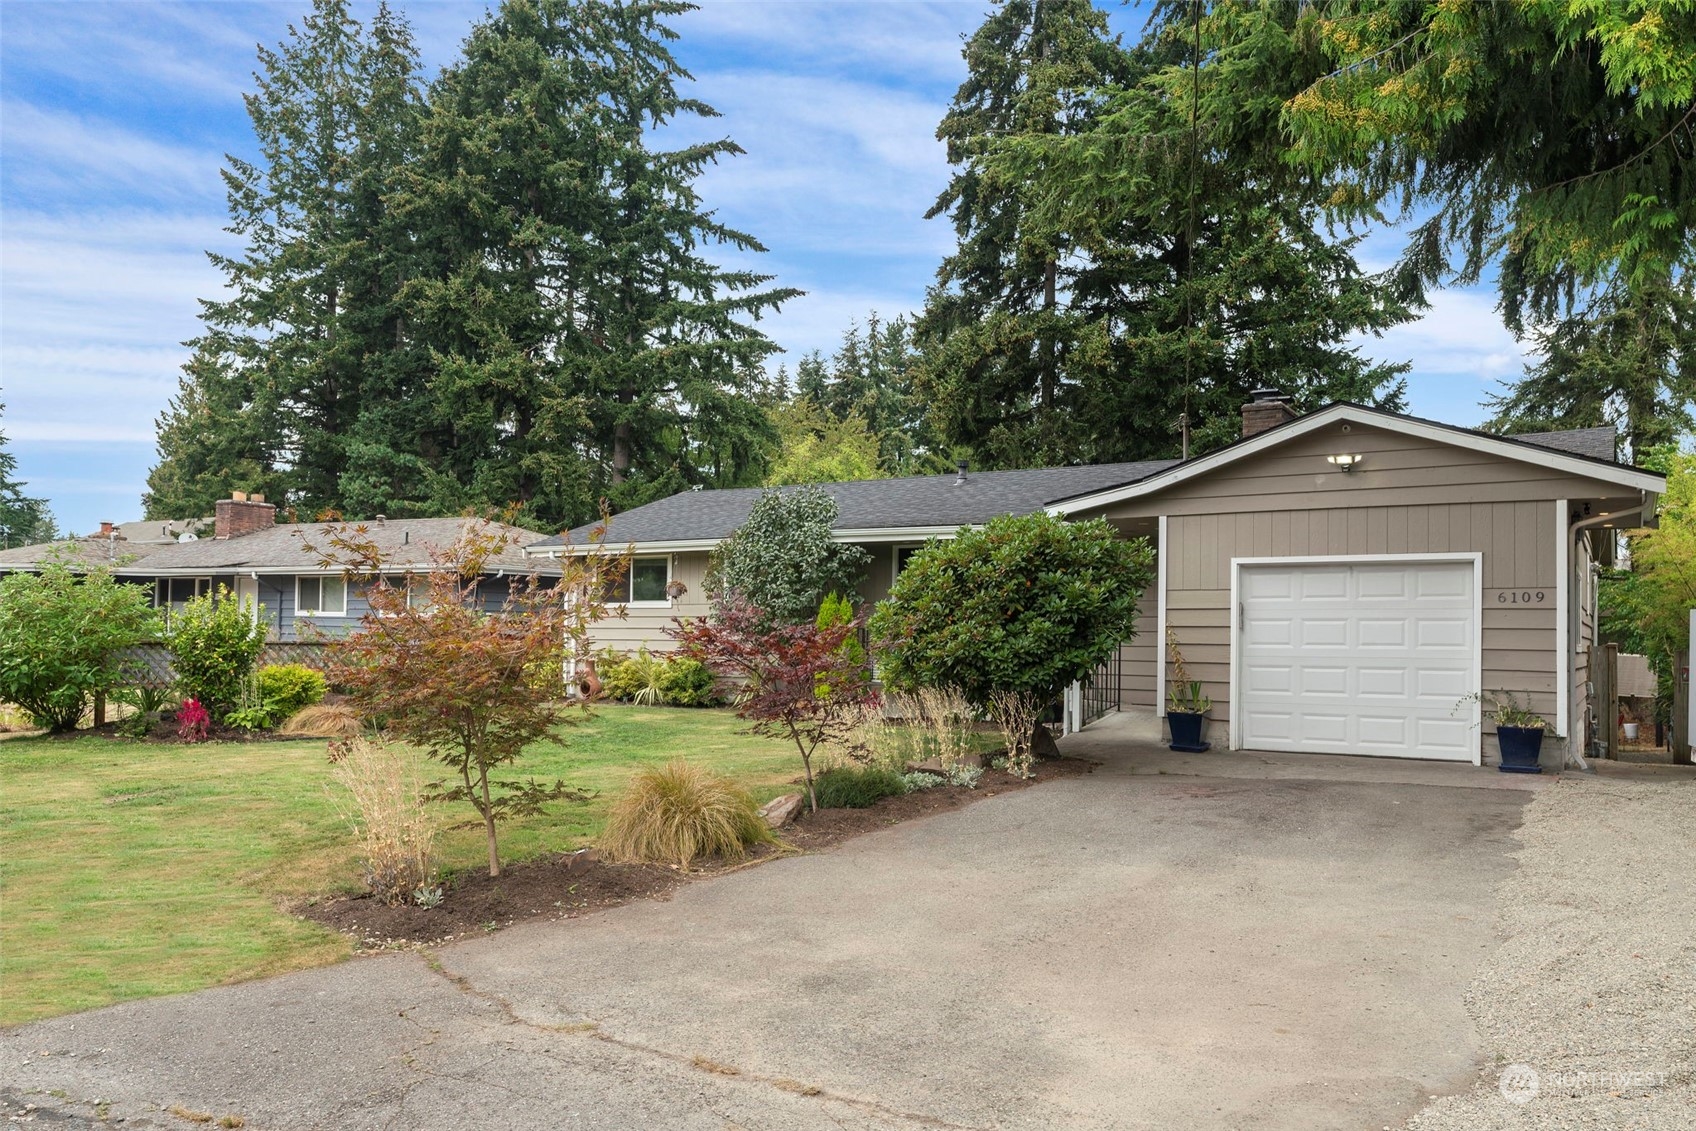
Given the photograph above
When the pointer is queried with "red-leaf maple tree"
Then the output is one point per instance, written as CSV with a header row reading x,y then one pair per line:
x,y
470,686
794,681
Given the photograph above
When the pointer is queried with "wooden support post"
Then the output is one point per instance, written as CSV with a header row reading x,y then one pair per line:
x,y
1679,736
1609,694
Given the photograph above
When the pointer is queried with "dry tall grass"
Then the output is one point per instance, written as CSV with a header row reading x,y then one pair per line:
x,y
384,804
1015,714
323,720
677,813
910,728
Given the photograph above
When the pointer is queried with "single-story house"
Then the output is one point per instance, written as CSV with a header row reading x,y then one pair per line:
x,y
267,564
1339,582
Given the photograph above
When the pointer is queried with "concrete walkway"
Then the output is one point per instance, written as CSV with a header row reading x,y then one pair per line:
x,y
1228,943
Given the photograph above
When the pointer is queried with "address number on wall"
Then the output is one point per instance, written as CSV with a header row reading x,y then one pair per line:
x,y
1517,596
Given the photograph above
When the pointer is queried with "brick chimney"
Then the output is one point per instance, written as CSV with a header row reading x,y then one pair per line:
x,y
107,529
1267,408
242,514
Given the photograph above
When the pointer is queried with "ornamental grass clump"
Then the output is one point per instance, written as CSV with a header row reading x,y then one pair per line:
x,y
857,787
384,802
679,813
323,720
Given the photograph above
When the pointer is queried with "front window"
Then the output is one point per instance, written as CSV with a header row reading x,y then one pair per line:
x,y
643,584
174,592
320,597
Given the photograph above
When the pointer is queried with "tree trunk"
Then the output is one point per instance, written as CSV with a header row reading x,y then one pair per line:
x,y
489,827
1042,742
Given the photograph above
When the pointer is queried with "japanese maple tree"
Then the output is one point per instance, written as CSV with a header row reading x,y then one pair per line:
x,y
798,682
471,687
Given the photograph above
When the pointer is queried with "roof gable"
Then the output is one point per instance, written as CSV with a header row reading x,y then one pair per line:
x,y
1554,451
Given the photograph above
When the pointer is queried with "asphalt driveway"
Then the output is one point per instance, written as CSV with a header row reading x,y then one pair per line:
x,y
1281,946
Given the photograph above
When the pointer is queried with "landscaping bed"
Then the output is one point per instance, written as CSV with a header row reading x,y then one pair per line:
x,y
473,903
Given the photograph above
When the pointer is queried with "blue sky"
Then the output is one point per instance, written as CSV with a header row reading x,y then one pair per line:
x,y
114,119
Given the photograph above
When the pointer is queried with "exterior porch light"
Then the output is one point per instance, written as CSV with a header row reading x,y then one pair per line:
x,y
1345,463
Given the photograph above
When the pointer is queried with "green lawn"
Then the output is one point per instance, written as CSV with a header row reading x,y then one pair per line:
x,y
129,870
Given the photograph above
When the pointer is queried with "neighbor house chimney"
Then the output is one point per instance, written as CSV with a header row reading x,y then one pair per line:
x,y
960,469
240,514
1267,408
107,529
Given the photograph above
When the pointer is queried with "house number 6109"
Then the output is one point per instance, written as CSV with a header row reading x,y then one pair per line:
x,y
1521,596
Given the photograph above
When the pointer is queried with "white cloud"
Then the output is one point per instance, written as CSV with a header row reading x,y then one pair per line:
x,y
1459,351
52,152
92,313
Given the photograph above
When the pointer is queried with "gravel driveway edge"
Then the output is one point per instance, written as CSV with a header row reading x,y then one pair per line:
x,y
1588,1009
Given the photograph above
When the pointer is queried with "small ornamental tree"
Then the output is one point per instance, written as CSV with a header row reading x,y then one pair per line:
x,y
784,560
63,633
215,641
798,682
472,688
1011,615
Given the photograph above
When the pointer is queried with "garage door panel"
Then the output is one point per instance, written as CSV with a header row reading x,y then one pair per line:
x,y
1316,586
1386,732
1320,633
1378,632
1270,630
1366,658
1266,585
1383,681
1444,684
1269,679
1314,680
1447,632
1444,738
1381,585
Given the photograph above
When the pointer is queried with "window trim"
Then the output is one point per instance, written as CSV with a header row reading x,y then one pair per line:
x,y
320,578
202,588
629,583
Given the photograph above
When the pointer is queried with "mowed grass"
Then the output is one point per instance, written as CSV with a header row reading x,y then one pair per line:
x,y
129,870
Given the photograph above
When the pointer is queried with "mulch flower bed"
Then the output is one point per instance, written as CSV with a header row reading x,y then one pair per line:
x,y
551,887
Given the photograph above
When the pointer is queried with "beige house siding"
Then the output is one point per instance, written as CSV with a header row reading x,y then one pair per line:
x,y
1408,496
646,624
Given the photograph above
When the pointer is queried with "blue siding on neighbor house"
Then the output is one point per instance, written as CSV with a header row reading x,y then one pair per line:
x,y
277,600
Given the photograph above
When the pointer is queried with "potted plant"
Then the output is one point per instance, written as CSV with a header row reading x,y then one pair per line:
x,y
1519,731
1186,705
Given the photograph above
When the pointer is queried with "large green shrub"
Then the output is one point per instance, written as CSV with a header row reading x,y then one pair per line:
x,y
785,560
688,683
286,688
1011,614
62,637
647,679
215,640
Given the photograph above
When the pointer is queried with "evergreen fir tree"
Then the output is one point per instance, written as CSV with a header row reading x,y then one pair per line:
x,y
1191,267
585,347
24,521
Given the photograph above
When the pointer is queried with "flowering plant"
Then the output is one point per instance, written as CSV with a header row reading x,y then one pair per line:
x,y
192,721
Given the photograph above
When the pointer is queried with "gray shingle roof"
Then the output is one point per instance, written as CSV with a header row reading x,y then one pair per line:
x,y
404,542
1595,443
872,504
80,551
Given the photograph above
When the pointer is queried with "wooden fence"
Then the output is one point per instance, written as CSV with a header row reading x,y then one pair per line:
x,y
153,661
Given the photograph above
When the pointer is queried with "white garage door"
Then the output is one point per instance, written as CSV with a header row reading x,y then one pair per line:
x,y
1367,658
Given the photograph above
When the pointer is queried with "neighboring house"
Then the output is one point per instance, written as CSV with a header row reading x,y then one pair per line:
x,y
267,564
1339,581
